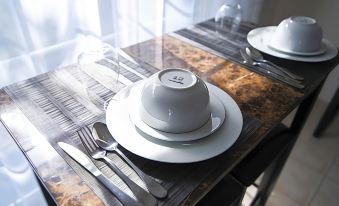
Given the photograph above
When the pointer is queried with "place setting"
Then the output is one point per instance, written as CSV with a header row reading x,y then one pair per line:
x,y
174,117
298,38
171,117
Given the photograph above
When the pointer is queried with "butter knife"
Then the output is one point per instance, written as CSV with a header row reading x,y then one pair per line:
x,y
265,68
86,162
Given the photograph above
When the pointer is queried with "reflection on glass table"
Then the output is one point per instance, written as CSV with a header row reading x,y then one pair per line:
x,y
18,184
98,59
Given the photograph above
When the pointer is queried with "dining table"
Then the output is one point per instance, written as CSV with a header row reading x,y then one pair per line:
x,y
53,107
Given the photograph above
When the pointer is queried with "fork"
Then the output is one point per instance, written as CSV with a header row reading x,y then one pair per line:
x,y
100,154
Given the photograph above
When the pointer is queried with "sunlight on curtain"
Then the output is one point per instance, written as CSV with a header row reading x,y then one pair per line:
x,y
39,35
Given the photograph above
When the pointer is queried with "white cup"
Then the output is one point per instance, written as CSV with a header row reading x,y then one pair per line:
x,y
297,34
175,101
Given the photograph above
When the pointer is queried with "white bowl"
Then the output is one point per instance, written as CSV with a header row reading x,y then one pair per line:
x,y
175,101
297,34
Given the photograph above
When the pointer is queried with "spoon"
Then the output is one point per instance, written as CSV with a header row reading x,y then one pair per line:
x,y
257,56
106,141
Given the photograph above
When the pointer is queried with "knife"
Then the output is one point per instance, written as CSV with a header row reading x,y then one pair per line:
x,y
265,68
86,162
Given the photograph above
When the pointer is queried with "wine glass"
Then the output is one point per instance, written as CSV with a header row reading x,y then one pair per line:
x,y
228,19
99,63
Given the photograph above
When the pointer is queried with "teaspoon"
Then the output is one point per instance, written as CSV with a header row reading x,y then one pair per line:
x,y
106,141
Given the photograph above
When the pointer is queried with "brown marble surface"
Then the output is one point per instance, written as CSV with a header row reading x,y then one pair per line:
x,y
258,96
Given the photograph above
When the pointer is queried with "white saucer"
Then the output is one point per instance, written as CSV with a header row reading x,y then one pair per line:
x,y
139,143
259,38
320,51
216,120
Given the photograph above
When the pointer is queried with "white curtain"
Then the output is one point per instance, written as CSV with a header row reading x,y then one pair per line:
x,y
39,35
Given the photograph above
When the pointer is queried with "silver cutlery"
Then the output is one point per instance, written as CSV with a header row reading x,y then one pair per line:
x,y
84,161
265,68
106,141
257,56
97,153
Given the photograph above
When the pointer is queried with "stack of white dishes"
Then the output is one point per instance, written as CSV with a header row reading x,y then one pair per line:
x,y
174,117
296,38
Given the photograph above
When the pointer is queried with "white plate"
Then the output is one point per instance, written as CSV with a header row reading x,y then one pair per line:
x,y
259,38
139,143
216,120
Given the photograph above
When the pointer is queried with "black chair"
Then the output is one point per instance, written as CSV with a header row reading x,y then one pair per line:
x,y
263,159
330,112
